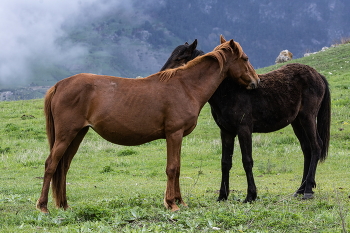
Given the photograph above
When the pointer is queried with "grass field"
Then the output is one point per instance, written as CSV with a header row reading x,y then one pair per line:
x,y
113,188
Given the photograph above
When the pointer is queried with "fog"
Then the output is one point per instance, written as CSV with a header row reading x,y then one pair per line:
x,y
36,36
30,30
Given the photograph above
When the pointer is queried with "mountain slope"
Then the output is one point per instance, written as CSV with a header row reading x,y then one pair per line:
x,y
134,38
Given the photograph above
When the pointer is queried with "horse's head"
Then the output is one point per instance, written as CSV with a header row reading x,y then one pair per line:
x,y
238,65
181,55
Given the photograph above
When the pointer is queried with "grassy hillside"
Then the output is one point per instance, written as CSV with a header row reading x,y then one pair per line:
x,y
113,188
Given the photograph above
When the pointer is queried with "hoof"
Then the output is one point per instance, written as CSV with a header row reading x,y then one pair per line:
x,y
42,209
308,196
172,207
166,204
296,194
249,200
221,199
184,204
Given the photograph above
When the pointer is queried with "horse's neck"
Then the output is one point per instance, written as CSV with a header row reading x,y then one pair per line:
x,y
203,79
228,88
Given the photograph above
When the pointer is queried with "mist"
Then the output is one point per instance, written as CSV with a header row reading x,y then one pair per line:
x,y
30,31
45,41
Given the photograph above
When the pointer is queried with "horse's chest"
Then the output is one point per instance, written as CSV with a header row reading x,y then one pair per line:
x,y
231,118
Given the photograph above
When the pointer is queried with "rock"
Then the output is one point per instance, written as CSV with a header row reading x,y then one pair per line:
x,y
284,56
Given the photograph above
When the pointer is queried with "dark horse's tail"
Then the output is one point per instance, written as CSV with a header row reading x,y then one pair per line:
x,y
324,120
58,178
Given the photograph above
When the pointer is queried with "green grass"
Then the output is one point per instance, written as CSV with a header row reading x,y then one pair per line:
x,y
113,188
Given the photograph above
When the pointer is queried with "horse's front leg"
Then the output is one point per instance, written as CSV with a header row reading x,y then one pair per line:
x,y
227,142
245,142
172,193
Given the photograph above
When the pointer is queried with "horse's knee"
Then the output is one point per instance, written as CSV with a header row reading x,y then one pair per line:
x,y
226,165
173,171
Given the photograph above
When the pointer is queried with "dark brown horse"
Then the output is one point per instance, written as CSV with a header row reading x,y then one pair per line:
x,y
294,94
135,111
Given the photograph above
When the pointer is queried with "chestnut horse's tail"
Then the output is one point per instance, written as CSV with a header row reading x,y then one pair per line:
x,y
58,178
324,120
50,129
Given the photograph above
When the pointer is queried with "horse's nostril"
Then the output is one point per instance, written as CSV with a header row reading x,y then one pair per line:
x,y
252,85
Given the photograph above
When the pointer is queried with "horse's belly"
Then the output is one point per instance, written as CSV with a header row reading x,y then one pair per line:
x,y
270,125
127,138
128,134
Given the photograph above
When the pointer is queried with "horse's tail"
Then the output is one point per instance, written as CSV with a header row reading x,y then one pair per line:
x,y
58,178
324,120
50,129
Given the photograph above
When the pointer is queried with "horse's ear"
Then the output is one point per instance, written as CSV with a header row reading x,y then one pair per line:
x,y
193,46
222,39
186,43
232,43
236,47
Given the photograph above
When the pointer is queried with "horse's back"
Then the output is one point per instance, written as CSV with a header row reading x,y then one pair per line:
x,y
293,79
296,74
88,88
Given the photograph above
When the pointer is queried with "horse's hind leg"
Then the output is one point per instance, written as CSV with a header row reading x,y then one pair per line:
x,y
59,180
305,129
305,147
52,162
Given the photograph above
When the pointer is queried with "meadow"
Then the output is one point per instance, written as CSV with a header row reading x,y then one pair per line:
x,y
114,188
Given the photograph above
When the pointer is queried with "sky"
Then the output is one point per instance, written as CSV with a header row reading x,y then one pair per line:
x,y
30,30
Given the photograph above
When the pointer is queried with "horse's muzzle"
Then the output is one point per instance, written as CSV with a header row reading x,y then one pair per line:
x,y
253,85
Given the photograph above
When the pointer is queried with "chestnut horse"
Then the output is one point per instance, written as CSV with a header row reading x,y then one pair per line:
x,y
294,94
135,111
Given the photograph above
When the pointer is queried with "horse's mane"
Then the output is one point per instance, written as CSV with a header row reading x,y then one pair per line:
x,y
167,74
196,53
218,54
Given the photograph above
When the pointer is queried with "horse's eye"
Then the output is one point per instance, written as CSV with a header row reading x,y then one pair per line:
x,y
245,58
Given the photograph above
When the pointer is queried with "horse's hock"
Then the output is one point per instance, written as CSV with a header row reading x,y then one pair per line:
x,y
284,56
